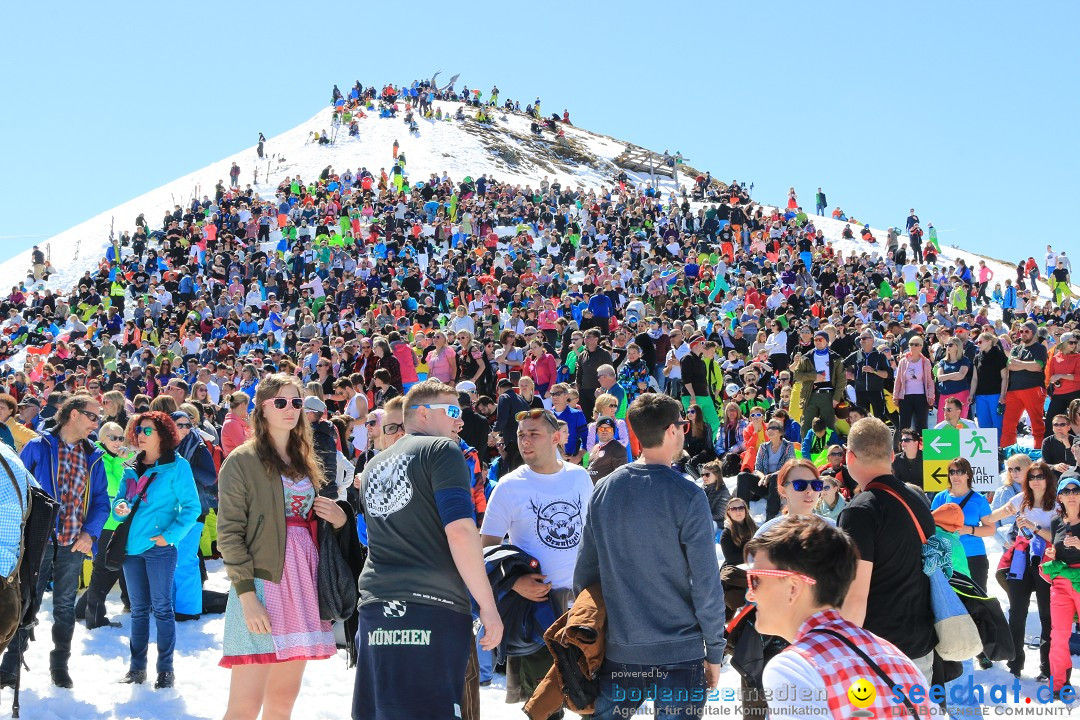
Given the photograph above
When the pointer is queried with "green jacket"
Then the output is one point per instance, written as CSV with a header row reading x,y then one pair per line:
x,y
114,472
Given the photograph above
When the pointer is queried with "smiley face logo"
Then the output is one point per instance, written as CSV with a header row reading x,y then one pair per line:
x,y
861,693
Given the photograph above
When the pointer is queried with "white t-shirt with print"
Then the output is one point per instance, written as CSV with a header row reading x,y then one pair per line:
x,y
544,515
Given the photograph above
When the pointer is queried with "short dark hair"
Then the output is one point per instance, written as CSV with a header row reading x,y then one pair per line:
x,y
650,415
73,404
807,544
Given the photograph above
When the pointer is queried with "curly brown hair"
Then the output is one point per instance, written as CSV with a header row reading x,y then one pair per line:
x,y
163,424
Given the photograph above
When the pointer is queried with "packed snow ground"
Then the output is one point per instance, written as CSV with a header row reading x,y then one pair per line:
x,y
100,659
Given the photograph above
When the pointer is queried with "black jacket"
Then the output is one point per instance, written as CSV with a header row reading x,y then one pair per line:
x,y
524,621
325,437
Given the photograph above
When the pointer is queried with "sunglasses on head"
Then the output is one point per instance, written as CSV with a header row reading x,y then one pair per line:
x,y
801,485
539,413
281,403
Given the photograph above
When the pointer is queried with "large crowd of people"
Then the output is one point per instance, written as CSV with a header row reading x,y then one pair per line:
x,y
575,386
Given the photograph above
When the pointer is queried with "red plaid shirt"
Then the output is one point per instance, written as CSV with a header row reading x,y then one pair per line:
x,y
840,666
71,482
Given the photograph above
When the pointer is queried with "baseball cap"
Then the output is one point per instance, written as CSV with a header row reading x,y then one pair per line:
x,y
314,404
31,400
605,421
1068,478
466,386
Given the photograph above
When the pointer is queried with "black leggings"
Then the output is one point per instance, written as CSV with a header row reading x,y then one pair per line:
x,y
1019,603
914,411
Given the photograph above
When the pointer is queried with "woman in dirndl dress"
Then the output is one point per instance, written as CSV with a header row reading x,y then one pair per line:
x,y
268,505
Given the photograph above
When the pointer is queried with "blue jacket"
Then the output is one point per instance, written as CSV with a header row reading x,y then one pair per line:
x,y
171,506
39,456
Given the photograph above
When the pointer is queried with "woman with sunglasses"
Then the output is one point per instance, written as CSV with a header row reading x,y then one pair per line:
x,y
605,407
1063,376
1061,568
799,574
268,499
91,605
772,456
236,429
698,442
1056,449
799,486
1035,509
168,508
441,360
914,389
832,501
952,373
738,528
978,522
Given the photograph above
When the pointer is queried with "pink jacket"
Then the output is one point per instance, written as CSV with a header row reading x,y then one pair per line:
x,y
406,359
546,319
927,379
542,371
234,433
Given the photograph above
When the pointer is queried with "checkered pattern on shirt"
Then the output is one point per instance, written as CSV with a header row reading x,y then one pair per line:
x,y
840,666
71,479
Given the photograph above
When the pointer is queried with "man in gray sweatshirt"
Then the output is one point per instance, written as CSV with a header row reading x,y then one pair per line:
x,y
649,543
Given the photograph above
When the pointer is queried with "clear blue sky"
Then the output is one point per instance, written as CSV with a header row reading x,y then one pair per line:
x,y
965,111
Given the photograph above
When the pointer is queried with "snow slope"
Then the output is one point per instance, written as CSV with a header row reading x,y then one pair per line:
x,y
507,151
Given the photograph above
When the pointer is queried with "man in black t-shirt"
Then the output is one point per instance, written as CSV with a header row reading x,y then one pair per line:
x,y
891,595
424,562
1027,385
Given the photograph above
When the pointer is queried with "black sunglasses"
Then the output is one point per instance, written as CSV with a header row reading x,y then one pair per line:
x,y
801,485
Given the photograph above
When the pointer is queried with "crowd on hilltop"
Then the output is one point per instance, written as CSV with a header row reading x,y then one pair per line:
x,y
303,334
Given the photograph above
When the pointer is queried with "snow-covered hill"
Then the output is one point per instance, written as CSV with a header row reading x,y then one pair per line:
x,y
506,150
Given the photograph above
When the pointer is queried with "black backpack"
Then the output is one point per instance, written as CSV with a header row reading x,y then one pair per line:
x,y
40,525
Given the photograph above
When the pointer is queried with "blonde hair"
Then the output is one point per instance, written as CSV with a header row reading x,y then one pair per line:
x,y
603,400
110,427
314,389
192,411
303,461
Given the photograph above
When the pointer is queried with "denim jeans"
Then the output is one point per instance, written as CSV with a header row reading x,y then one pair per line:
x,y
150,585
677,690
64,567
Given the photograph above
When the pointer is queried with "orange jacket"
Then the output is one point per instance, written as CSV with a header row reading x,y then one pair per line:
x,y
582,626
